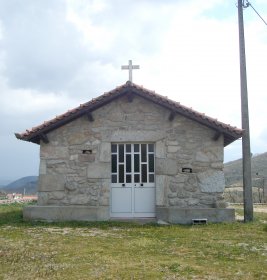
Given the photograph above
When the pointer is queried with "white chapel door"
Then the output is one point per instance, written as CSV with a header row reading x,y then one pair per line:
x,y
132,180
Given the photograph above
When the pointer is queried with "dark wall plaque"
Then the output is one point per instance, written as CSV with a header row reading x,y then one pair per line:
x,y
186,170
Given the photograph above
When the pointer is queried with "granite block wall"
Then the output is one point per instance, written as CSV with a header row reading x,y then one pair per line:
x,y
75,164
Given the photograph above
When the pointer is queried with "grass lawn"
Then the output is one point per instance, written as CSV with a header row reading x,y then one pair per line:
x,y
113,250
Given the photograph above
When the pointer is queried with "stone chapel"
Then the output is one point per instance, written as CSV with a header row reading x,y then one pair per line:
x,y
130,154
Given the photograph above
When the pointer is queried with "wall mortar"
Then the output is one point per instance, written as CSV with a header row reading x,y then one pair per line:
x,y
75,165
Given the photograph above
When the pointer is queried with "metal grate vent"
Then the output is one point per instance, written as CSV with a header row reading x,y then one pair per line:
x,y
199,221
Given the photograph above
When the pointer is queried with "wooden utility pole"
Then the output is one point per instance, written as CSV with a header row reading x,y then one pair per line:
x,y
247,182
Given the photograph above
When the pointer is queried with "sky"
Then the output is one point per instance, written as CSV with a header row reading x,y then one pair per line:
x,y
57,54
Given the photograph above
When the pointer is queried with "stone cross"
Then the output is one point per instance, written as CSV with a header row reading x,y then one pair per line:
x,y
130,67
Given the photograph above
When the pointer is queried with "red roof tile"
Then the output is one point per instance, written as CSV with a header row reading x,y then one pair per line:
x,y
33,135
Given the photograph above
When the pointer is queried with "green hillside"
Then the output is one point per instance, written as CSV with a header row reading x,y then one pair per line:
x,y
27,184
233,171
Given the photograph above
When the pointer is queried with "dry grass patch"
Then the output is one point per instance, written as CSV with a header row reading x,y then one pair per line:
x,y
111,250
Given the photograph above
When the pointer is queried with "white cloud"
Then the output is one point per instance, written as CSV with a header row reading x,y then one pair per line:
x,y
42,50
55,55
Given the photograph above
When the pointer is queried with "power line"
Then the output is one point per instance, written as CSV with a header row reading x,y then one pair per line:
x,y
249,4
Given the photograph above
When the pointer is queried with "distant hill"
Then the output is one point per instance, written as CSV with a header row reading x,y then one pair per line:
x,y
4,182
28,183
233,171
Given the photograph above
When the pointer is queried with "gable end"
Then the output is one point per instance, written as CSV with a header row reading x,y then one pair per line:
x,y
130,90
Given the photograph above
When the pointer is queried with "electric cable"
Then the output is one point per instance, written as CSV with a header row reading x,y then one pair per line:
x,y
249,4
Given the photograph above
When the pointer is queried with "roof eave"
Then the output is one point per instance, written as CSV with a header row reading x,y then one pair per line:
x,y
230,134
228,139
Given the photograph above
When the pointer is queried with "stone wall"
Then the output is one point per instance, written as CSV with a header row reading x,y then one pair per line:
x,y
75,164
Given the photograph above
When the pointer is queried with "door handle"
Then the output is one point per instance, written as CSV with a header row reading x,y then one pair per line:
x,y
141,185
123,185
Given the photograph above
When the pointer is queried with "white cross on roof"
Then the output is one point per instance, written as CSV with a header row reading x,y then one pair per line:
x,y
130,67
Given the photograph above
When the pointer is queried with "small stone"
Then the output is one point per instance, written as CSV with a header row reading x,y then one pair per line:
x,y
211,181
202,157
190,188
173,149
42,198
161,222
57,195
104,201
174,201
172,195
217,165
166,166
86,158
181,178
74,157
172,143
79,199
182,194
93,192
104,155
173,187
160,149
192,180
42,167
70,186
221,204
192,201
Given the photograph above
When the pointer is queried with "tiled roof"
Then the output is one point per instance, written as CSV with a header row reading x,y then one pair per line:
x,y
36,133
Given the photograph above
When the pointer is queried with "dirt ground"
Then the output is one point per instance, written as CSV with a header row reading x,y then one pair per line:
x,y
260,208
256,207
